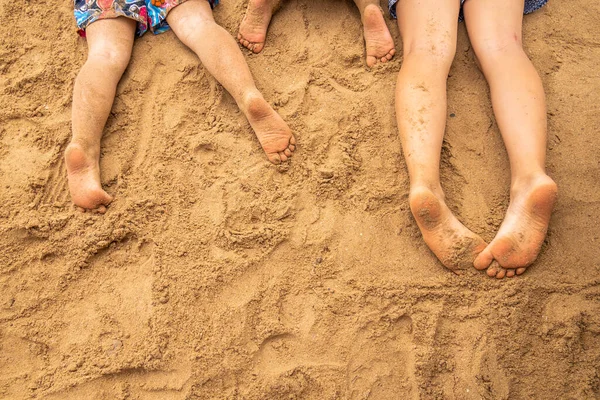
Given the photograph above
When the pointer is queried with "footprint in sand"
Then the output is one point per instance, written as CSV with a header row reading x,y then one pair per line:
x,y
383,361
113,309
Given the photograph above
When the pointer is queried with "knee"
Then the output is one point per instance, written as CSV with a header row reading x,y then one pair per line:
x,y
490,48
189,25
431,52
111,56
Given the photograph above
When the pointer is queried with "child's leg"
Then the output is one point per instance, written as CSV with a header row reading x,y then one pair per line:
x,y
109,49
494,27
429,29
253,29
194,25
378,41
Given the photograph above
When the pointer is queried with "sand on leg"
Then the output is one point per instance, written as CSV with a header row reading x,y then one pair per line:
x,y
429,29
378,40
495,30
194,25
254,26
109,49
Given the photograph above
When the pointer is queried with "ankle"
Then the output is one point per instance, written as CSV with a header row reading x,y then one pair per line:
x,y
90,148
251,103
435,188
524,183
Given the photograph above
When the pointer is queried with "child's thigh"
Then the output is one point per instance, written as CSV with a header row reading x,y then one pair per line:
x,y
494,25
428,24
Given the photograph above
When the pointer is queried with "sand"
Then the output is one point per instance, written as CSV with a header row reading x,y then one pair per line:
x,y
215,275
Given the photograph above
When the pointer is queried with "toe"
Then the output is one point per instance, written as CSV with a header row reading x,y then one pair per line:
x,y
283,157
389,56
520,270
383,60
371,61
274,158
258,47
493,269
251,46
287,152
101,209
292,140
292,147
501,274
510,273
483,260
239,36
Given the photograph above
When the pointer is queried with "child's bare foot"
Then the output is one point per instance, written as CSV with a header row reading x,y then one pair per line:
x,y
253,29
523,230
272,132
379,42
84,179
453,244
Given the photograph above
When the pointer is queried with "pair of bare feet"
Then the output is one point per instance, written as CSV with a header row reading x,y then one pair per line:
x,y
516,244
83,159
378,40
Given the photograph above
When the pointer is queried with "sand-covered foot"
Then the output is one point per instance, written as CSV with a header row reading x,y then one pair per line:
x,y
272,132
83,173
253,29
523,230
453,244
378,40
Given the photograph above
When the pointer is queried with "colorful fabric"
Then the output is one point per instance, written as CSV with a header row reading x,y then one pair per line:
x,y
149,14
530,6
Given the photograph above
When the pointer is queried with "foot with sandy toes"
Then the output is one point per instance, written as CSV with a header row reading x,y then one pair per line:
x,y
523,230
379,42
83,171
272,132
253,29
452,243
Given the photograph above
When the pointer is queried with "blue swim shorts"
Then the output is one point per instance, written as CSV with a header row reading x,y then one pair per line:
x,y
530,6
149,14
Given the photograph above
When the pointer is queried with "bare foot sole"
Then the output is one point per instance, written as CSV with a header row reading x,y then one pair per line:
x,y
84,180
522,232
272,132
379,42
452,243
253,29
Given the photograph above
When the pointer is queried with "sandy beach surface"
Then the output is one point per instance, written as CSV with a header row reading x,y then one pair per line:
x,y
215,275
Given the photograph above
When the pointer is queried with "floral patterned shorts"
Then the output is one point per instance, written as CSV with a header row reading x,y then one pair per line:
x,y
149,14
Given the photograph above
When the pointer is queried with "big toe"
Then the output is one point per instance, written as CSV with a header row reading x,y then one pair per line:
x,y
92,199
483,260
371,61
257,47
